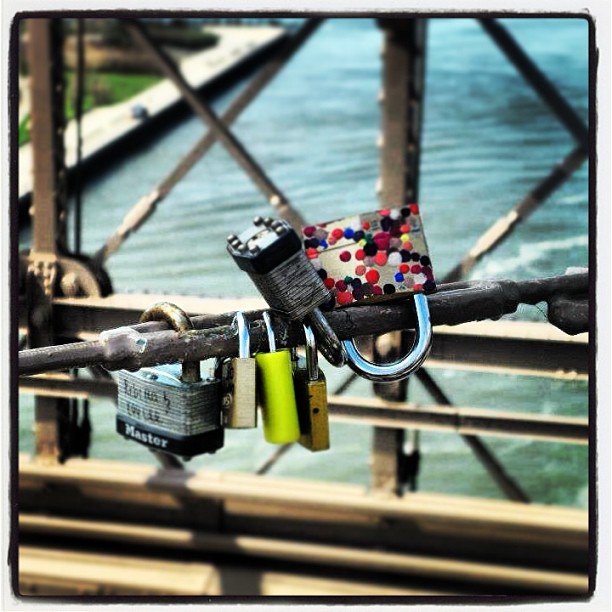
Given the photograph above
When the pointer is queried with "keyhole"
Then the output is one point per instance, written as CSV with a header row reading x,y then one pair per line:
x,y
315,411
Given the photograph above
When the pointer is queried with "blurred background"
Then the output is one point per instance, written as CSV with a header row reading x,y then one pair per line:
x,y
487,139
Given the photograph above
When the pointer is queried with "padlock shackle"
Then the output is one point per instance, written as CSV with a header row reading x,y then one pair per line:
x,y
330,345
179,321
267,319
312,357
244,338
390,372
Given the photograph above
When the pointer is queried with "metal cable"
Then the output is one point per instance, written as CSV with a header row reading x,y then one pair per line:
x,y
128,348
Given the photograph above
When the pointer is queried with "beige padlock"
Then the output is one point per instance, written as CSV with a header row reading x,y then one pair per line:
x,y
238,376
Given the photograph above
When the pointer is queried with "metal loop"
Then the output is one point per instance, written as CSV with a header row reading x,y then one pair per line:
x,y
179,321
312,358
329,344
270,331
390,372
244,337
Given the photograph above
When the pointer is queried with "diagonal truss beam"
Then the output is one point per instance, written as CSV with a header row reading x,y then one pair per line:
x,y
145,207
504,226
223,134
496,470
538,81
570,119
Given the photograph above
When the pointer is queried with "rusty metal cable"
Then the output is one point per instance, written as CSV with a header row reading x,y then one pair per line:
x,y
213,336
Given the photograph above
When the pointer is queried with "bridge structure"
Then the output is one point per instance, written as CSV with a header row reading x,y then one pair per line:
x,y
110,528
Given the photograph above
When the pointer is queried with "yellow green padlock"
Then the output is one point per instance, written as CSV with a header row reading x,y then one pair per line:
x,y
276,392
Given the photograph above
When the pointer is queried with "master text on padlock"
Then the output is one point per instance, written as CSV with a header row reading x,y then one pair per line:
x,y
145,436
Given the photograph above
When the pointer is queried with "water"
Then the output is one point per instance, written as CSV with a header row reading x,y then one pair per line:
x,y
487,139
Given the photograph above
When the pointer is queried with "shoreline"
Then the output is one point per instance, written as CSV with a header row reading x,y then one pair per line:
x,y
239,52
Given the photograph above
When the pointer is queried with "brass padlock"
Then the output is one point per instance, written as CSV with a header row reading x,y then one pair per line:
x,y
238,382
311,397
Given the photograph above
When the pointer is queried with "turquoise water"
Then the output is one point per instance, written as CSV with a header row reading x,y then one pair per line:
x,y
487,139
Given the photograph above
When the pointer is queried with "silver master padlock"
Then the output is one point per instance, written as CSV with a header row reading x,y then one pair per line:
x,y
170,408
238,382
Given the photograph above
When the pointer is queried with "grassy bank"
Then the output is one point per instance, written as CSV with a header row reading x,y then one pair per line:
x,y
101,89
104,88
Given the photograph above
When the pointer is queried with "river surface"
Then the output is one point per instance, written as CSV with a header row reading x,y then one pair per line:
x,y
487,139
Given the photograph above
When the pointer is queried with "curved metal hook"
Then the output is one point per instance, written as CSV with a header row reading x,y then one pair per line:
x,y
267,319
179,321
244,336
330,345
312,358
389,372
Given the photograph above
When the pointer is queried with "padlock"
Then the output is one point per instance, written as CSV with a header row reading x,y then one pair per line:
x,y
311,398
169,408
372,257
271,253
238,382
276,391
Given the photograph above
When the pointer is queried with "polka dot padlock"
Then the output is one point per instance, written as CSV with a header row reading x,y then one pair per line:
x,y
371,256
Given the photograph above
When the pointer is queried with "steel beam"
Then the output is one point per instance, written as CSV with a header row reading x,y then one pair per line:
x,y
146,206
496,470
538,81
517,348
505,225
47,211
234,147
47,95
64,385
459,419
370,411
401,101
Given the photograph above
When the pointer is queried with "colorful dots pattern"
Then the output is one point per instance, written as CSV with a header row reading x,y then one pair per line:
x,y
329,283
370,255
372,276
